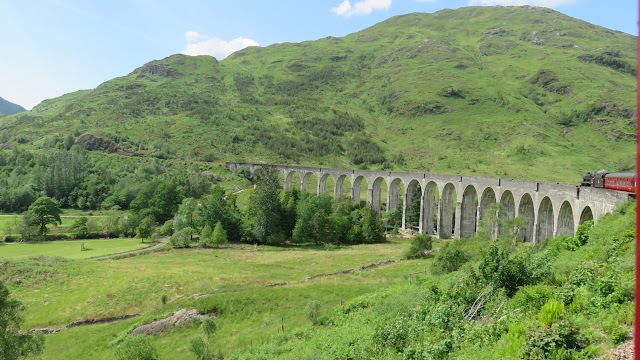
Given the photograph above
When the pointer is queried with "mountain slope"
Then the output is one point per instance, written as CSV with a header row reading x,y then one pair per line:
x,y
8,108
517,92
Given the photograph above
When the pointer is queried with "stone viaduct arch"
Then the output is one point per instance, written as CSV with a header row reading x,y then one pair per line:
x,y
455,206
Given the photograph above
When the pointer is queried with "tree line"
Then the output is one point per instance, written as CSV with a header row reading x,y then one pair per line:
x,y
273,217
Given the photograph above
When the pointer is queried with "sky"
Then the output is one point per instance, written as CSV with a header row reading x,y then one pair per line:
x,y
53,47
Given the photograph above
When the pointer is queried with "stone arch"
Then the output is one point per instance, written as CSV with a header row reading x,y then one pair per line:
x,y
396,189
326,185
508,211
292,181
469,213
357,190
586,214
487,200
310,182
431,197
446,218
545,219
525,211
565,220
380,190
340,190
413,193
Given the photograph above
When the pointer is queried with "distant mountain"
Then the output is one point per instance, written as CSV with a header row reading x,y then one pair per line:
x,y
519,92
8,108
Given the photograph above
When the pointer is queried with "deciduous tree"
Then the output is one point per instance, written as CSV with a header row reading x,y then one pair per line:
x,y
14,343
266,204
45,211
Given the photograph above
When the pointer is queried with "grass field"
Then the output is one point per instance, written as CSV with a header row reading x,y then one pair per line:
x,y
70,249
57,292
259,294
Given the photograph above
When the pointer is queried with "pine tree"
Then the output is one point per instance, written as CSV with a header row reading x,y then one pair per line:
x,y
219,236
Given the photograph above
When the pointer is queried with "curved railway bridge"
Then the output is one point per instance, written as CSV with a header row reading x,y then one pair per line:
x,y
454,205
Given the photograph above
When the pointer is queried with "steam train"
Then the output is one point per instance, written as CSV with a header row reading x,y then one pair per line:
x,y
612,181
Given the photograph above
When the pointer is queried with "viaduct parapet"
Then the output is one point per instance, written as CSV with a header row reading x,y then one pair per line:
x,y
455,205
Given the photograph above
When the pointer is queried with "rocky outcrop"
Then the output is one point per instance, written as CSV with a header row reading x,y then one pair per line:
x,y
177,319
93,143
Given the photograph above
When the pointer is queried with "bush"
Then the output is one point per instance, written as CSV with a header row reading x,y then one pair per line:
x,y
393,334
182,238
420,247
542,342
502,271
137,347
312,311
582,236
450,258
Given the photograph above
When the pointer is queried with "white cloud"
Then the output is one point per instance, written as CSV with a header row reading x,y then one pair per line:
x,y
545,3
363,7
218,48
191,36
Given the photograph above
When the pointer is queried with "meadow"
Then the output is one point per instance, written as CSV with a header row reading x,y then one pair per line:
x,y
258,296
57,291
72,249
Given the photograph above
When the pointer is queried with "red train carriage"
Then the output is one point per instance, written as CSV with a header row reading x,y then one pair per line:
x,y
620,181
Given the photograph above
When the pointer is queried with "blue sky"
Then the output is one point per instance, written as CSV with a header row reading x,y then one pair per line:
x,y
53,47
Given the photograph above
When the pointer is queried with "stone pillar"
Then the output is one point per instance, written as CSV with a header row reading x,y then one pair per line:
x,y
422,215
457,218
355,192
337,189
370,196
404,211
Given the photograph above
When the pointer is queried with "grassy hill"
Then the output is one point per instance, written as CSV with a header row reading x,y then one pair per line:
x,y
520,92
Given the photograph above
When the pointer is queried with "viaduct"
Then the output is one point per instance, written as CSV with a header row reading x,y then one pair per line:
x,y
454,205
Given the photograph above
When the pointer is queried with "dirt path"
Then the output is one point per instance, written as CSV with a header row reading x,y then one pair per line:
x,y
162,243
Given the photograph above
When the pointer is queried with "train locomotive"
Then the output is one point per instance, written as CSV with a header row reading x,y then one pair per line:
x,y
613,181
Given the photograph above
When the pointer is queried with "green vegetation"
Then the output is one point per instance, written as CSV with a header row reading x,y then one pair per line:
x,y
580,298
15,343
70,249
493,91
474,91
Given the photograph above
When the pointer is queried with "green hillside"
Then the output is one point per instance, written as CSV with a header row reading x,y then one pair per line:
x,y
518,92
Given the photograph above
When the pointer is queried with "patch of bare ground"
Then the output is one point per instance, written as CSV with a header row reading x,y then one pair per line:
x,y
624,351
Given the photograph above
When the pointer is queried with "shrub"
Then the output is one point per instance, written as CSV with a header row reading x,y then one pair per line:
x,y
420,246
450,258
582,236
312,311
393,334
542,342
182,238
611,289
502,271
137,347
